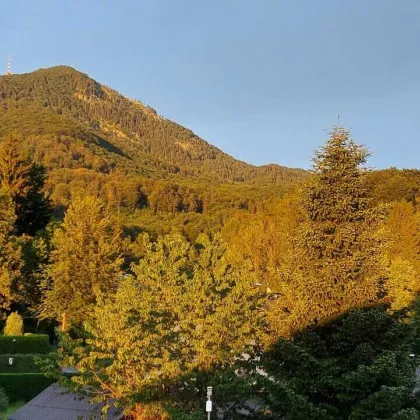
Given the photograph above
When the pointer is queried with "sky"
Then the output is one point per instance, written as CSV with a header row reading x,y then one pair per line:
x,y
264,80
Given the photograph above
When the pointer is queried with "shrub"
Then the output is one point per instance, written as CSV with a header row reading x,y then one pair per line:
x,y
4,401
21,363
151,411
14,325
38,343
23,386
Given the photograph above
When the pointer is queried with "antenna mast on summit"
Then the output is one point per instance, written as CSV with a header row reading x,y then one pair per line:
x,y
9,66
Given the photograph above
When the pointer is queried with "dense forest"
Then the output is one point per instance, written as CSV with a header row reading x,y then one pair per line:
x,y
167,266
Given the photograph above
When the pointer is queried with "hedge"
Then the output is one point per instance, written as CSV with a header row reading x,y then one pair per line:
x,y
37,343
23,386
21,363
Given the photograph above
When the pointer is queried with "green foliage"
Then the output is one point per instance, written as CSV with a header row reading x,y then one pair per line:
x,y
24,182
85,261
356,367
184,312
186,308
59,101
21,363
337,260
403,226
4,400
14,325
10,253
392,185
37,343
182,415
95,142
35,255
23,386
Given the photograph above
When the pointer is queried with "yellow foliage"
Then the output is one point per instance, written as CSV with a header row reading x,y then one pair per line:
x,y
149,412
14,325
402,285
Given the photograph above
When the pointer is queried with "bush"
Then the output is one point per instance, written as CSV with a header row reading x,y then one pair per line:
x,y
25,344
23,386
14,325
4,401
21,363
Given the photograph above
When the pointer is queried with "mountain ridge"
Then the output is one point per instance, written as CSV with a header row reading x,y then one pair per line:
x,y
127,127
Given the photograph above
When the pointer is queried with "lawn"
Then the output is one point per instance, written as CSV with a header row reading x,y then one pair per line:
x,y
10,410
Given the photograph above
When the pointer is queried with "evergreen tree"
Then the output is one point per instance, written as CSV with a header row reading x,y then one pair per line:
x,y
24,183
85,261
35,255
14,324
4,400
336,260
10,253
357,367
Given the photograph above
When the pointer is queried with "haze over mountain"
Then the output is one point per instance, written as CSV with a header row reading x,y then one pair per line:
x,y
59,107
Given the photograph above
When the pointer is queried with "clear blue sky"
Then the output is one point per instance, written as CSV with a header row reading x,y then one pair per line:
x,y
264,80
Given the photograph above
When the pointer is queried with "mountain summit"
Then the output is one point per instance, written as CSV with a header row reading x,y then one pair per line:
x,y
60,105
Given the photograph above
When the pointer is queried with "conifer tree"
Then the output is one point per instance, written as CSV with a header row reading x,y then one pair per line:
x,y
4,400
357,367
10,253
337,257
24,183
85,261
35,255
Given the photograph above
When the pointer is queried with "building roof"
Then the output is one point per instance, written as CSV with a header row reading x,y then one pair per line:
x,y
56,403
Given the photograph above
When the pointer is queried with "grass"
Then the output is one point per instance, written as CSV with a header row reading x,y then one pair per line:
x,y
11,409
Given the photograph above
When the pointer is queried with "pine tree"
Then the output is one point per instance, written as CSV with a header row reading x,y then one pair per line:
x,y
10,253
14,324
4,400
357,367
35,255
336,260
85,261
24,183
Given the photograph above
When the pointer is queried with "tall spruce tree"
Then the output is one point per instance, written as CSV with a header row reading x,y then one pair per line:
x,y
10,252
85,261
336,260
356,368
24,182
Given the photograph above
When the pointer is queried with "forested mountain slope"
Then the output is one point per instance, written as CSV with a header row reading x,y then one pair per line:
x,y
73,121
160,175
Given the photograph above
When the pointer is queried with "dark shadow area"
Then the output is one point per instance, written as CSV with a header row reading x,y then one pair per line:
x,y
108,146
358,366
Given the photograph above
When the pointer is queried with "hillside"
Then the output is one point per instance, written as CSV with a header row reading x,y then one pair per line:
x,y
72,121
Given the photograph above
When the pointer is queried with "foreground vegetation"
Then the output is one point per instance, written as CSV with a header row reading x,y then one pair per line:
x,y
293,295
321,297
11,408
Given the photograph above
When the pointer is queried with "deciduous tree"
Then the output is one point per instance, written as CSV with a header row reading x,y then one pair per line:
x,y
184,312
14,324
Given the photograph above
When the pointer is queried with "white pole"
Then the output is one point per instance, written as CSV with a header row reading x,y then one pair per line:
x,y
209,402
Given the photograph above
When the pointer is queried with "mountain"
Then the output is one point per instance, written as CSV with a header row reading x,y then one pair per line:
x,y
71,121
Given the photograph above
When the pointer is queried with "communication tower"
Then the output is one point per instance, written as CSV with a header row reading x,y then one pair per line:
x,y
9,66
